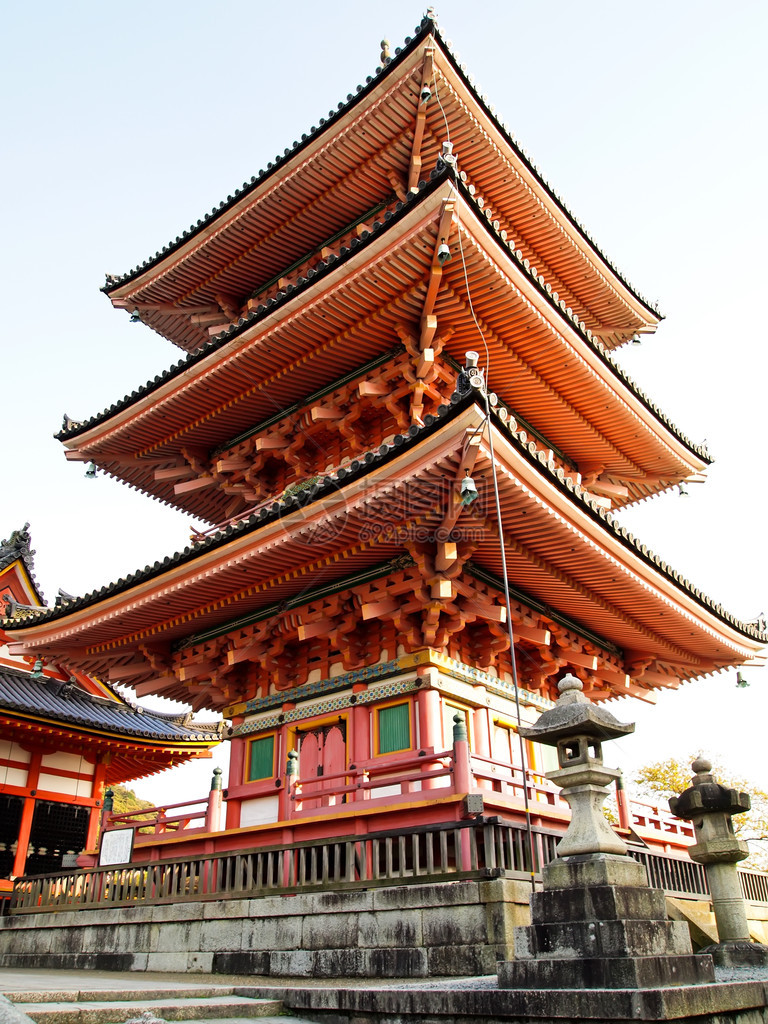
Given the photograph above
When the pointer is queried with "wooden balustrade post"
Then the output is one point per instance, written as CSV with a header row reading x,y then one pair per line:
x,y
462,771
215,798
462,780
622,803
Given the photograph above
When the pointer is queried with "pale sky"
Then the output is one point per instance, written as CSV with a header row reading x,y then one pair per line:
x,y
124,124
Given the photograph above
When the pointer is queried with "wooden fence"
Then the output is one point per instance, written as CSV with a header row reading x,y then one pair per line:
x,y
487,848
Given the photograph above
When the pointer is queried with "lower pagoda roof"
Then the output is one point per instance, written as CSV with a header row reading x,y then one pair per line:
x,y
574,561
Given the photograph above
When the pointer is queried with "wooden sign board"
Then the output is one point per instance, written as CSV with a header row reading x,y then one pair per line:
x,y
116,847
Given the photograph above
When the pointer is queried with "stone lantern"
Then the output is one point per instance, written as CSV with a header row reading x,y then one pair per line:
x,y
596,924
577,728
711,806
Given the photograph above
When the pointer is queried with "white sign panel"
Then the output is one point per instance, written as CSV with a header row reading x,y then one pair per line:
x,y
116,847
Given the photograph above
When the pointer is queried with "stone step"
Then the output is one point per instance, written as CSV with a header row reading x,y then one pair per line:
x,y
116,1011
101,995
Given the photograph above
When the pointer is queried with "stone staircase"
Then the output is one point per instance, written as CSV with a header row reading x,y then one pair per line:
x,y
215,1004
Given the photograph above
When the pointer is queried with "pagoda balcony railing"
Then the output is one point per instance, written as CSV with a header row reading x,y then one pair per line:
x,y
455,772
192,816
480,848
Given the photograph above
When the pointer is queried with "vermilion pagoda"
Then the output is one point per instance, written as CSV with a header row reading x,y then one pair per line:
x,y
346,604
63,738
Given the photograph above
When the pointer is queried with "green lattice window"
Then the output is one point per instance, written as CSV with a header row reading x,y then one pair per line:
x,y
261,758
394,728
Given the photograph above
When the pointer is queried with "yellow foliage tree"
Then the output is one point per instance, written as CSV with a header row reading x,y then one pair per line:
x,y
125,799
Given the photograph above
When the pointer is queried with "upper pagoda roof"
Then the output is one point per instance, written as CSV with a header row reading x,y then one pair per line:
x,y
375,147
547,365
564,551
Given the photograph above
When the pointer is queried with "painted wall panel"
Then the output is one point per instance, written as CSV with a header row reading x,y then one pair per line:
x,y
259,811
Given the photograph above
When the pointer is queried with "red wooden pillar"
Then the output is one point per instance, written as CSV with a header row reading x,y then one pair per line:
x,y
27,813
360,740
482,726
236,778
360,744
99,778
429,710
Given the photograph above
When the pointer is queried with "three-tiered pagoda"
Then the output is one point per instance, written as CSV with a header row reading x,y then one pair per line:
x,y
347,606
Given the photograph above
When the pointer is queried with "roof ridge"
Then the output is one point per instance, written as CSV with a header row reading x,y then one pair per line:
x,y
506,131
19,547
531,272
427,26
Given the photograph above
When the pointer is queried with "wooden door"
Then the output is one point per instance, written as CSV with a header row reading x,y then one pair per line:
x,y
323,752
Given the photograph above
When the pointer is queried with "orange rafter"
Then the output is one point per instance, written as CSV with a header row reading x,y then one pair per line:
x,y
414,172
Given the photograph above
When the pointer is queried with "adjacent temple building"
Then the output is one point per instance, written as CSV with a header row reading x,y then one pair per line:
x,y
64,738
399,410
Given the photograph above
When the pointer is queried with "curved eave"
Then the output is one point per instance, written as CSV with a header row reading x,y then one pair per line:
x,y
562,549
539,221
594,410
170,277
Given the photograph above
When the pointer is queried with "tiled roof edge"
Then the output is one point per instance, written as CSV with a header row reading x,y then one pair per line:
x,y
266,514
567,314
386,452
425,28
197,732
401,208
609,522
484,102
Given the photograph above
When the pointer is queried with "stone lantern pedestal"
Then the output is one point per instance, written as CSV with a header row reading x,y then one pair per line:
x,y
710,807
596,924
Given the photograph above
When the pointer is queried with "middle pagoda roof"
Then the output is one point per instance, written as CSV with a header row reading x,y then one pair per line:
x,y
370,293
587,594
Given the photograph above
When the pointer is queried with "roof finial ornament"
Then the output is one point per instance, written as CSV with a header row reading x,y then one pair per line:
x,y
430,15
385,57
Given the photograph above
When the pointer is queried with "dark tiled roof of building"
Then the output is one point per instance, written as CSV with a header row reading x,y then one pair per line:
x,y
363,465
66,702
427,26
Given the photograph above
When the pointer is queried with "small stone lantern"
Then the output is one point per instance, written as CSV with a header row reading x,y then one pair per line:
x,y
577,728
710,806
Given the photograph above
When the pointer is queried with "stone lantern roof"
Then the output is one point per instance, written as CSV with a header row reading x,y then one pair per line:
x,y
705,795
575,715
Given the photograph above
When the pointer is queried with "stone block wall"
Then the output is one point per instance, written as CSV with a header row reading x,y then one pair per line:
x,y
450,928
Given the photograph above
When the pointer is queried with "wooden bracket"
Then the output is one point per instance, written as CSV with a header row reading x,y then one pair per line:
x,y
414,172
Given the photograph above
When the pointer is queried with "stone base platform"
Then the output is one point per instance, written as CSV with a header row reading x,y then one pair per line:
x,y
734,1003
415,931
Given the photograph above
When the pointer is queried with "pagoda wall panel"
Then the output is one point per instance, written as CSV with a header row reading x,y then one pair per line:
x,y
259,811
13,776
10,751
68,763
65,785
